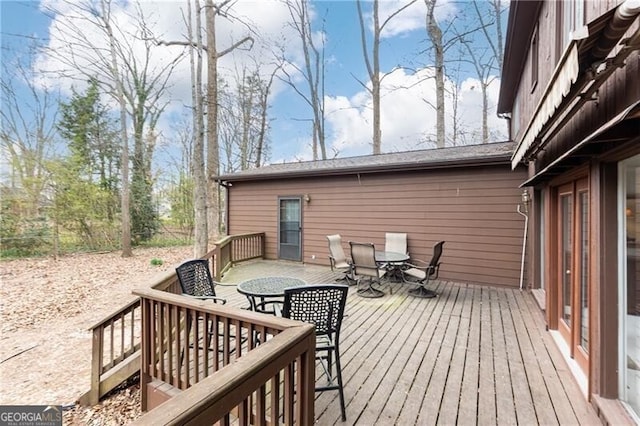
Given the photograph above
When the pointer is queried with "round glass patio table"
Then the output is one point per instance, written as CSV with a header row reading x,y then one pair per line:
x,y
390,257
392,261
263,293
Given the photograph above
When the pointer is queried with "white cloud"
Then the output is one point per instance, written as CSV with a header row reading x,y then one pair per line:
x,y
412,18
76,34
407,118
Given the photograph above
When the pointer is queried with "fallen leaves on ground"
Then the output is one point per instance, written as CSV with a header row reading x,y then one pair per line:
x,y
46,309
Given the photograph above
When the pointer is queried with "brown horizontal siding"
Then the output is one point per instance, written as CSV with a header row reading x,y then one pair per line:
x,y
472,209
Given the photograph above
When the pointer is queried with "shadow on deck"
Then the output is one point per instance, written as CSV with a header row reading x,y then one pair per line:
x,y
472,355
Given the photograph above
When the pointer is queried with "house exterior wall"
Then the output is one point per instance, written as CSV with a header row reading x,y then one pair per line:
x,y
473,209
617,93
614,95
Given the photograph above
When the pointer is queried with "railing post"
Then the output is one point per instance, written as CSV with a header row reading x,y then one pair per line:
x,y
217,262
306,385
146,319
96,365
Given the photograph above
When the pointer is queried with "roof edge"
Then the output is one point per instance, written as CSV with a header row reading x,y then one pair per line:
x,y
515,53
497,159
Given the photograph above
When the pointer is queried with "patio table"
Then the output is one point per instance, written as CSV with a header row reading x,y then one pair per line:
x,y
392,261
264,291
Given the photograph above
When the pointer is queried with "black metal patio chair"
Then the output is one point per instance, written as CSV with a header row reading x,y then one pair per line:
x,y
322,305
195,281
423,274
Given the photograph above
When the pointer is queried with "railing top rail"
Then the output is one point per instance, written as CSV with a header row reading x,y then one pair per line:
x,y
115,314
221,392
228,238
158,279
270,321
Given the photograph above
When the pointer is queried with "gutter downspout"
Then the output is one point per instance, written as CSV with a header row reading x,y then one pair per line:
x,y
507,116
525,203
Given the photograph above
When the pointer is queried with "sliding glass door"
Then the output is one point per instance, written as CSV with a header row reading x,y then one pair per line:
x,y
629,294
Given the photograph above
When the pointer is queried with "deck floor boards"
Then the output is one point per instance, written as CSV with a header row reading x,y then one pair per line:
x,y
471,356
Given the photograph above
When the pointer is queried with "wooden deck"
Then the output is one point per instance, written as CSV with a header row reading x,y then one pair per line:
x,y
473,355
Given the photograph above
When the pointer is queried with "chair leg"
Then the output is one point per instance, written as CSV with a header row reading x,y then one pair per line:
x,y
348,278
332,354
422,291
369,291
340,387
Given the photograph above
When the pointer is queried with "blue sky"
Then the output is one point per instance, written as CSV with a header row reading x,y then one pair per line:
x,y
406,116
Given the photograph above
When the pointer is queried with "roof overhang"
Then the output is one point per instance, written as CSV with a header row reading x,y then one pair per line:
x,y
494,159
502,160
584,67
523,16
617,129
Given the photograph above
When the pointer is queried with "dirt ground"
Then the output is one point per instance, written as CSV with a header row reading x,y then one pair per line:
x,y
46,309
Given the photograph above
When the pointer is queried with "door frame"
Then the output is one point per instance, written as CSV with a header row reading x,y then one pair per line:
x,y
297,198
571,333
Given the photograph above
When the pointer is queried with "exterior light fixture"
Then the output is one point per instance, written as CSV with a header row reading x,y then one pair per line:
x,y
526,200
307,198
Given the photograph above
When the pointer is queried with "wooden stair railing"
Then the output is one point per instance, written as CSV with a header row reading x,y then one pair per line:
x,y
115,352
266,383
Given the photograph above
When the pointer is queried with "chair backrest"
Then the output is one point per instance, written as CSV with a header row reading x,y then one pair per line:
x,y
435,259
363,256
195,278
322,305
396,242
335,248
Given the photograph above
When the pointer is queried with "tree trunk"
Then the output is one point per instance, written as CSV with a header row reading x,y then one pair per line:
x,y
435,35
213,154
200,182
125,195
375,82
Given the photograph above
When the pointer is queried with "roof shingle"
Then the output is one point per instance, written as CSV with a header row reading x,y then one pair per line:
x,y
408,160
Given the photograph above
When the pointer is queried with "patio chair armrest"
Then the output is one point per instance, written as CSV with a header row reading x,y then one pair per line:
x,y
269,306
212,298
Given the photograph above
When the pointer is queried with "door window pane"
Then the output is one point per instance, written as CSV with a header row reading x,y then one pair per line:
x,y
290,229
567,254
631,310
584,270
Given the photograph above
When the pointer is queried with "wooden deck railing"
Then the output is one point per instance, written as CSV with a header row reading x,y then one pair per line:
x,y
249,366
116,339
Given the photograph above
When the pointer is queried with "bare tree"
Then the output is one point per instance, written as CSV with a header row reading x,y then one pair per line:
x,y
312,71
243,125
373,64
262,147
435,35
127,76
27,135
211,167
487,62
213,150
201,234
492,20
